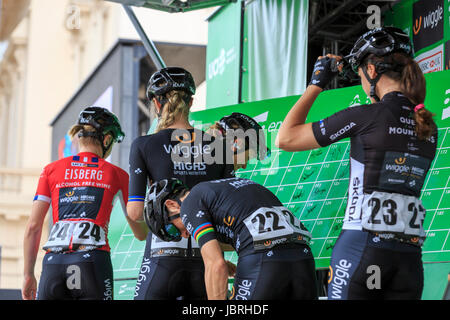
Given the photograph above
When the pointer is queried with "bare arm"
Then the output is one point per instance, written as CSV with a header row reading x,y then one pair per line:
x,y
140,229
216,271
32,238
294,134
135,210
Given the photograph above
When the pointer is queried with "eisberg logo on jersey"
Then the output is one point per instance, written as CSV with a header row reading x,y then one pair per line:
x,y
334,136
74,174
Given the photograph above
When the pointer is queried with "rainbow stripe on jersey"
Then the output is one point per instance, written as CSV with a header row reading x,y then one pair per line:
x,y
202,229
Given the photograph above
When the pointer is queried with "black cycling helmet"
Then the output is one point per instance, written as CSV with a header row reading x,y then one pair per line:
x,y
170,78
241,121
104,122
380,42
156,215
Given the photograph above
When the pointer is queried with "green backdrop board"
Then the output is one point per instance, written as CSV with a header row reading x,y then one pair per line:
x,y
313,184
222,56
427,22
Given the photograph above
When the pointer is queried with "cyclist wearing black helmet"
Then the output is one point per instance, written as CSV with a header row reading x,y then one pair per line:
x,y
275,261
393,142
245,138
81,190
171,269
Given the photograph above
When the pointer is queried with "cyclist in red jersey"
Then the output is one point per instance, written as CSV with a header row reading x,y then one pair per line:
x,y
82,190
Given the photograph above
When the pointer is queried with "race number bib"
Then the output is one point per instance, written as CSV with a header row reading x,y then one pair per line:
x,y
75,235
275,225
393,213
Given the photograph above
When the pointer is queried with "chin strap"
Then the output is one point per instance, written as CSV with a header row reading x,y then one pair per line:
x,y
373,83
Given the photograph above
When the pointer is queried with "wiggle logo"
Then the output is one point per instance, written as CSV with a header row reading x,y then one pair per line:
x,y
400,160
267,243
70,194
417,25
229,221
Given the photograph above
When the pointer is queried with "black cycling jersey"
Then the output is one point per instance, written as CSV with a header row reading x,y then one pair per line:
x,y
241,213
388,165
275,261
172,153
185,154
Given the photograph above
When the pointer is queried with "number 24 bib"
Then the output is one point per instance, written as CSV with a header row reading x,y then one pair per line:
x,y
75,235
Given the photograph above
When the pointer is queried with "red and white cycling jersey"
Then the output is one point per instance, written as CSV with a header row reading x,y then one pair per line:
x,y
82,190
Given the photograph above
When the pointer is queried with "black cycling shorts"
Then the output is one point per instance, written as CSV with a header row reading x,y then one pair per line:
x,y
86,275
363,266
278,274
171,278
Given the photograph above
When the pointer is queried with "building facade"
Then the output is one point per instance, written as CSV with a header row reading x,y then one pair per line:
x,y
46,52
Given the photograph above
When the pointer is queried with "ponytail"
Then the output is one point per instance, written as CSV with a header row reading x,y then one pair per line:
x,y
425,125
176,106
413,85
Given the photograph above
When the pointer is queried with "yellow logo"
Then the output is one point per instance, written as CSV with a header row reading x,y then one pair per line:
x,y
69,194
330,274
400,160
185,138
417,25
231,294
415,240
229,221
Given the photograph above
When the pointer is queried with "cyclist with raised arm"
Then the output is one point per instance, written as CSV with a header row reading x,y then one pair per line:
x,y
393,142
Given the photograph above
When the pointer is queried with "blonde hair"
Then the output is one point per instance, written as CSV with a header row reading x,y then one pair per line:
x,y
175,107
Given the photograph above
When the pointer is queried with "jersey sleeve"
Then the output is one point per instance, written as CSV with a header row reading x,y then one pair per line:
x,y
138,174
122,193
196,217
43,192
343,124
